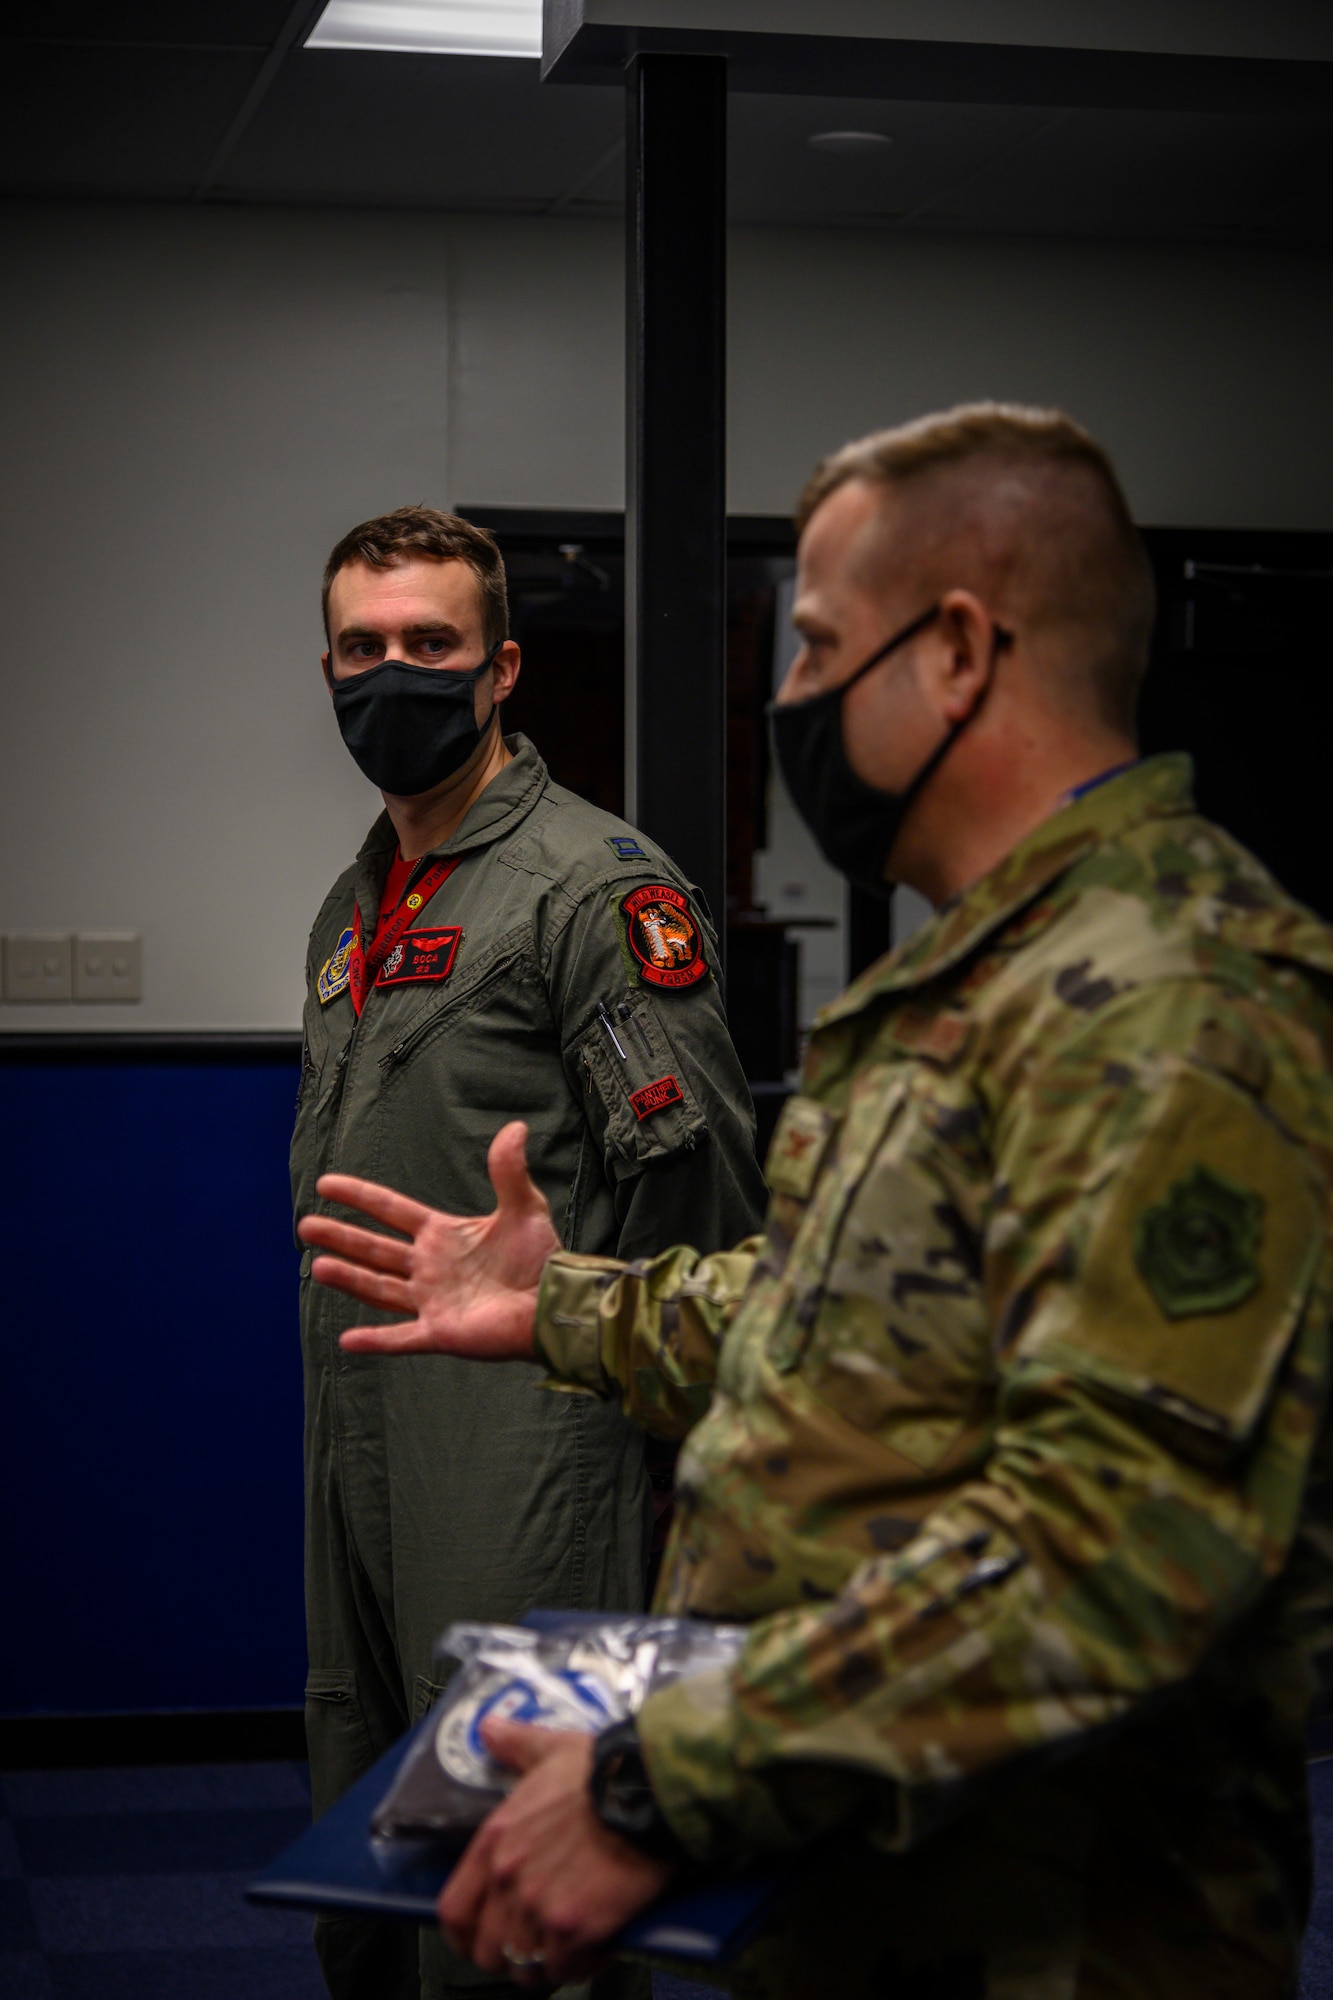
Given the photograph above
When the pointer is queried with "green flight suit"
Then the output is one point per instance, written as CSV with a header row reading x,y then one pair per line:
x,y
437,1488
1010,1436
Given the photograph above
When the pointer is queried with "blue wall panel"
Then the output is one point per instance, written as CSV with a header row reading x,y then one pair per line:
x,y
150,1408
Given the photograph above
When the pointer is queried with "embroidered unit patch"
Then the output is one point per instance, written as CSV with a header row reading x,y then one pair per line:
x,y
625,847
333,979
663,936
1196,1249
420,955
656,1097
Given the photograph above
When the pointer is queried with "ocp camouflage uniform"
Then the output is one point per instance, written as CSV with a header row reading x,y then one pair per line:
x,y
1010,1438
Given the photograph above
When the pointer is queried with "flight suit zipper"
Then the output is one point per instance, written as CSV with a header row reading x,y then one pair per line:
x,y
407,1044
307,1071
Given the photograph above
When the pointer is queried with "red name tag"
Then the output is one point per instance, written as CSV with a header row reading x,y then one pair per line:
x,y
656,1096
420,955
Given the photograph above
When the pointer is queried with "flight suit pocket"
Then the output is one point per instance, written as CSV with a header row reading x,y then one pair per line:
x,y
425,1694
337,1738
631,1072
303,1146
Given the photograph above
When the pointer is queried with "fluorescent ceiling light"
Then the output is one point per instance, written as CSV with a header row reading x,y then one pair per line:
x,y
851,143
432,27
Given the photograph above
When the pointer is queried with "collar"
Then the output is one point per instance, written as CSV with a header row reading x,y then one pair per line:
x,y
1156,788
493,815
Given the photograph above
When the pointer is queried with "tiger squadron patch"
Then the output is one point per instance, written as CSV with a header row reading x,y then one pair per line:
x,y
663,936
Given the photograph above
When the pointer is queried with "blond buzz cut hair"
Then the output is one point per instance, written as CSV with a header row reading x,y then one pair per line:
x,y
1022,506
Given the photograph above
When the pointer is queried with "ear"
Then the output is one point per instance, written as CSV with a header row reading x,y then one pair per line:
x,y
505,670
328,677
968,643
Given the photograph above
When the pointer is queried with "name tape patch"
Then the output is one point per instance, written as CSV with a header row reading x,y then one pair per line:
x,y
663,936
420,955
655,1097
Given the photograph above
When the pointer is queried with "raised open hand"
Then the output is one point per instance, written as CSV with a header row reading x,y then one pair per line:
x,y
468,1283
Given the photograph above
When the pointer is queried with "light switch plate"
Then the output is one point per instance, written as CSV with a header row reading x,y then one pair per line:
x,y
108,965
38,966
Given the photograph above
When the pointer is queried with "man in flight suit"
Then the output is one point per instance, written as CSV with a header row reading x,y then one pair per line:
x,y
498,946
1016,1451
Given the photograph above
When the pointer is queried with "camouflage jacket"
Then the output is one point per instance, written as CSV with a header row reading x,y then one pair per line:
x,y
1009,1434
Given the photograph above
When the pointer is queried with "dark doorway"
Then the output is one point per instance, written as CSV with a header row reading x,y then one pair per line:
x,y
1242,678
567,611
566,595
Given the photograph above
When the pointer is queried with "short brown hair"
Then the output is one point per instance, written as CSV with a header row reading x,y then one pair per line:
x,y
424,531
1028,500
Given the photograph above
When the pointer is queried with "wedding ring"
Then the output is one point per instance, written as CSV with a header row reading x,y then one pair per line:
x,y
522,1961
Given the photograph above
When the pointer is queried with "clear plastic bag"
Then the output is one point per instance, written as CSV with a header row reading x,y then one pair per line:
x,y
582,1674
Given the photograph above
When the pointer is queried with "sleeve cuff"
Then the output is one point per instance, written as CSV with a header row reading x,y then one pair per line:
x,y
567,1332
731,1798
720,1814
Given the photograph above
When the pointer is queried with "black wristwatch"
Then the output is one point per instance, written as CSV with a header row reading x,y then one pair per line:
x,y
622,1797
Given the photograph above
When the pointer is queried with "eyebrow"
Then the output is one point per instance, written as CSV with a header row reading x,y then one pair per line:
x,y
409,631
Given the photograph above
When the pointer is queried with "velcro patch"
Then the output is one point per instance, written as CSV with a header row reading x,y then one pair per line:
x,y
656,1097
336,971
800,1141
421,955
1197,1250
663,936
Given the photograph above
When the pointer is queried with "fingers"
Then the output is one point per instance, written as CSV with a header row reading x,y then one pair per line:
x,y
463,1894
363,1246
397,1210
392,1294
518,1745
507,1165
413,1338
505,1936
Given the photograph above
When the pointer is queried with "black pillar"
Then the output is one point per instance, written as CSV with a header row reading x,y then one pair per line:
x,y
869,929
675,502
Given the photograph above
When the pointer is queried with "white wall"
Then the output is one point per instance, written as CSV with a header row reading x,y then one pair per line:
x,y
199,401
1204,371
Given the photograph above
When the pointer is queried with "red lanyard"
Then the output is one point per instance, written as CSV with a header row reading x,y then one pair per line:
x,y
362,966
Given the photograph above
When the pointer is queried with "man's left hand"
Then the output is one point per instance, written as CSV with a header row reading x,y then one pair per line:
x,y
544,1885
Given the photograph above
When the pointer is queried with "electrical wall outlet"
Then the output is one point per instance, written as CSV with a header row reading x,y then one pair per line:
x,y
108,965
38,966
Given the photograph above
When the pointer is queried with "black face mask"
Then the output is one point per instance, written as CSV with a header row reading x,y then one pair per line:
x,y
410,728
855,823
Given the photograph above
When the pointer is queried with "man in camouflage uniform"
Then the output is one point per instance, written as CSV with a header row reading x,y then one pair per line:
x,y
1009,1435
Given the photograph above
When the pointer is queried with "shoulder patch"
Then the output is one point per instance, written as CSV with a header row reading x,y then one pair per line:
x,y
663,936
1196,1249
336,971
625,847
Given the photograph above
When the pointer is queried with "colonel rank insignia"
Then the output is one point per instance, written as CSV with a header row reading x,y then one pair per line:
x,y
1196,1250
333,979
663,936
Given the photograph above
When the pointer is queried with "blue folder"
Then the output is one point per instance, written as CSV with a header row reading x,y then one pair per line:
x,y
341,1866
